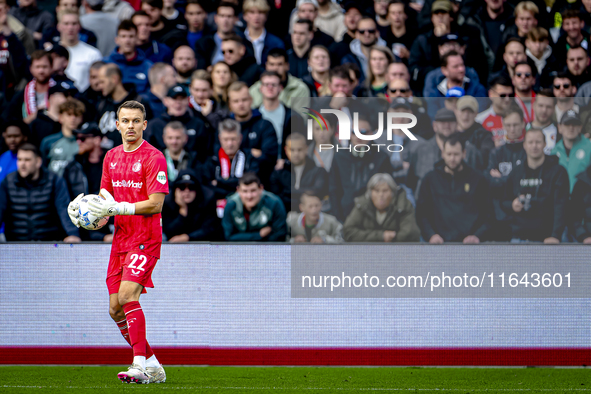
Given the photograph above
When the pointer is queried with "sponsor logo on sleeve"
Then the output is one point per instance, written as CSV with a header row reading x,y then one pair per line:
x,y
161,177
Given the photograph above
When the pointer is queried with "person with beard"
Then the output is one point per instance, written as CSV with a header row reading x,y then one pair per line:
x,y
114,94
258,135
26,103
255,15
472,131
577,64
536,194
184,63
576,36
228,164
502,95
177,158
200,141
240,61
162,77
299,174
155,51
565,91
189,211
303,31
34,19
201,102
162,30
366,36
455,204
543,118
312,225
32,201
47,122
131,61
524,81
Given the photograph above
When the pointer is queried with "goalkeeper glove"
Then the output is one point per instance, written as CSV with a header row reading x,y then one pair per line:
x,y
73,208
109,207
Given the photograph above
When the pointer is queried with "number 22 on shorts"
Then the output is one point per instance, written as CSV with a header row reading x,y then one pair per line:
x,y
134,258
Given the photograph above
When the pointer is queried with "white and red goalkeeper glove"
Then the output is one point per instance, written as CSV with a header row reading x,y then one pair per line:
x,y
110,207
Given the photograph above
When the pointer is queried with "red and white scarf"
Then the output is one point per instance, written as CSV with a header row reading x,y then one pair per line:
x,y
233,168
30,99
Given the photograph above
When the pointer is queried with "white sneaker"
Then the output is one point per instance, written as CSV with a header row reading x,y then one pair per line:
x,y
134,374
157,375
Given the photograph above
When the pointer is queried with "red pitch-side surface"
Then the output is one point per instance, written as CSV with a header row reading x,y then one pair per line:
x,y
303,356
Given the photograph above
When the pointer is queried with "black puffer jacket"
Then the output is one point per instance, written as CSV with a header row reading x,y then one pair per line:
x,y
579,211
35,210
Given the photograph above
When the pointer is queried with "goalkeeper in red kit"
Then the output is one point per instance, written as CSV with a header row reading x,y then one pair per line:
x,y
133,186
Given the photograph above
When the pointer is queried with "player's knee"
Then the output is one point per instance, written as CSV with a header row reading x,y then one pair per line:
x,y
116,313
124,298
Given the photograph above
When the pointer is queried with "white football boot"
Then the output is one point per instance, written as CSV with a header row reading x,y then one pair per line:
x,y
157,375
135,374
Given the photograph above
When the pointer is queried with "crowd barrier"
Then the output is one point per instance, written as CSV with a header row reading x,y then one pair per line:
x,y
231,304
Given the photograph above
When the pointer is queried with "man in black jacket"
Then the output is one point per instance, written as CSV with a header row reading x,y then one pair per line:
x,y
454,204
298,174
189,212
536,194
580,208
241,61
33,202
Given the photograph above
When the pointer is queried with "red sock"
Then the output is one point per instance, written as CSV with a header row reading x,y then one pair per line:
x,y
125,332
136,324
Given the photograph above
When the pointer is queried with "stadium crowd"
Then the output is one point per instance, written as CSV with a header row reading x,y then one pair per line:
x,y
500,90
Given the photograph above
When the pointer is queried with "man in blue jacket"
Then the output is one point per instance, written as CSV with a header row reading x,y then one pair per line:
x,y
131,60
253,214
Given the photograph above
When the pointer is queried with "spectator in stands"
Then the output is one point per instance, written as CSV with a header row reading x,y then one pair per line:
x,y
201,102
317,80
51,36
577,64
131,61
184,63
564,91
59,149
103,25
526,19
379,60
524,80
323,136
299,174
14,135
424,157
501,95
34,19
196,17
308,9
34,97
258,135
543,114
222,77
14,53
539,51
82,55
472,131
153,50
208,49
83,174
366,36
580,207
47,122
301,38
291,86
177,158
115,94
350,172
253,214
241,62
514,52
61,61
398,70
120,9
229,163
352,16
32,202
162,30
189,211
382,214
162,77
177,109
576,36
330,19
255,15
401,32
574,149
311,225
93,95
172,16
536,194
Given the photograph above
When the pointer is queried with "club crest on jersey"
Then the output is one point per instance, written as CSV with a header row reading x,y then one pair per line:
x,y
136,167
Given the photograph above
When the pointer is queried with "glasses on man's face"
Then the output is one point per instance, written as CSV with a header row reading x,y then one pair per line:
x,y
230,51
82,138
399,90
563,86
523,75
185,187
504,95
370,31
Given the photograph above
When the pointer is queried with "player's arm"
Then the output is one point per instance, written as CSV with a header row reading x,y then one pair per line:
x,y
109,207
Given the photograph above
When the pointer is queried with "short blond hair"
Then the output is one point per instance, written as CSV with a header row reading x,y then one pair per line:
x,y
237,86
62,13
527,6
260,5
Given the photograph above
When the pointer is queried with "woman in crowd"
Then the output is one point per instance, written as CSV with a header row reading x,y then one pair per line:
x,y
379,59
383,214
221,78
317,80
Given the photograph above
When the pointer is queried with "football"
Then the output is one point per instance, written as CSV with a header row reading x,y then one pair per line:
x,y
86,219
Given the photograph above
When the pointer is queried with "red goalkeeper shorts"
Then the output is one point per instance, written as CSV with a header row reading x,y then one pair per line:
x,y
131,266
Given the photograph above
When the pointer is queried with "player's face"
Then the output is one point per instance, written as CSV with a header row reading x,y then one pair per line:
x,y
250,195
131,124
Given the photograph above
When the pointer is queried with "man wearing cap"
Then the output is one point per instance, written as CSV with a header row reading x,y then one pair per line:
x,y
177,109
103,25
574,150
131,61
472,131
83,174
366,36
189,211
423,158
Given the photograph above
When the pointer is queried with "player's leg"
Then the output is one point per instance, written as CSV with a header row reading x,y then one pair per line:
x,y
118,316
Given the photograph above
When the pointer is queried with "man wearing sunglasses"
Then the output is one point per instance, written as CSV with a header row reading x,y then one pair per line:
x,y
240,60
564,90
524,80
502,95
367,35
